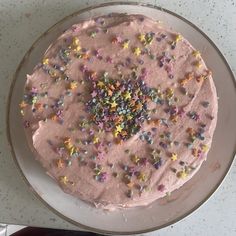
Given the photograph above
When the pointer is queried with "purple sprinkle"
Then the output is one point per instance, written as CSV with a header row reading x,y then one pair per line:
x,y
163,145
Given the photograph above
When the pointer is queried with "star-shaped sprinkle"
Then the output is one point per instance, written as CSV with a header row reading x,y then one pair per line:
x,y
135,159
198,64
178,37
95,140
60,163
125,44
113,104
94,94
127,95
196,54
100,84
45,61
109,93
182,174
137,51
64,179
142,38
23,104
118,128
174,156
142,177
75,41
73,85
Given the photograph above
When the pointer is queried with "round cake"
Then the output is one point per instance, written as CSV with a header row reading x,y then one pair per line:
x,y
120,111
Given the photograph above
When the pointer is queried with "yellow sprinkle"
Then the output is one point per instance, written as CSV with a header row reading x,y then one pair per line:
x,y
118,128
75,41
72,150
45,61
77,48
125,44
178,37
135,159
68,143
95,140
142,177
174,156
204,147
137,51
73,85
196,54
115,133
198,64
182,174
129,117
142,38
169,92
64,179
127,95
113,104
100,84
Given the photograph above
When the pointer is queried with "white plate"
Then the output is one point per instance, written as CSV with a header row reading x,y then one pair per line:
x,y
164,211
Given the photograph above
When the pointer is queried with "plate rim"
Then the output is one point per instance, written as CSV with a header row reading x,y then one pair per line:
x,y
13,154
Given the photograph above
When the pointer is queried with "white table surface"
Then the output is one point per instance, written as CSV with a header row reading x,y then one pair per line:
x,y
21,22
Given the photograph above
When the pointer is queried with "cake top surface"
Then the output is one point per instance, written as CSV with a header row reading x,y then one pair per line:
x,y
120,111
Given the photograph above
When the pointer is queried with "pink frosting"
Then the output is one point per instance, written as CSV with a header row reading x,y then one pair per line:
x,y
108,174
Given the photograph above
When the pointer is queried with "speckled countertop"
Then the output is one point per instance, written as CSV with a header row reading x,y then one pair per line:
x,y
17,204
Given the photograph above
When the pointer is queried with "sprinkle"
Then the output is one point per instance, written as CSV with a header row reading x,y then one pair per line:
x,y
205,104
135,159
127,95
113,104
142,38
137,51
118,128
73,85
45,61
204,147
125,44
129,193
93,34
116,40
59,163
68,162
174,156
198,64
23,104
95,140
196,54
161,187
142,177
182,174
64,179
186,79
178,37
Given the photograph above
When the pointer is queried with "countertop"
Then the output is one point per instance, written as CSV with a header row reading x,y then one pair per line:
x,y
23,21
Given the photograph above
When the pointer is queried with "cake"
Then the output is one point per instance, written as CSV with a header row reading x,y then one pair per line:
x,y
120,111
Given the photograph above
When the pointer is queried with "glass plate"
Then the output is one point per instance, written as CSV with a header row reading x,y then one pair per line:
x,y
162,212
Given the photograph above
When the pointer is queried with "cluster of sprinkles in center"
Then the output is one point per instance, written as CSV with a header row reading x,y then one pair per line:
x,y
120,106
